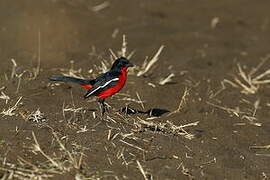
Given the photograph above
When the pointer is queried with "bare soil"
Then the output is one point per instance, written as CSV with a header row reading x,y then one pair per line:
x,y
216,134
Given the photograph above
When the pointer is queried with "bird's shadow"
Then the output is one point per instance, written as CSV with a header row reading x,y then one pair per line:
x,y
156,112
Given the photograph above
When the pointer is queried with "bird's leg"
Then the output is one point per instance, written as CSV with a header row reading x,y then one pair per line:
x,y
102,106
106,106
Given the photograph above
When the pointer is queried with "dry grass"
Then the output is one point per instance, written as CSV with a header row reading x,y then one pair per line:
x,y
59,163
15,74
4,97
101,6
246,115
250,82
105,64
148,65
166,80
185,171
36,116
10,110
264,147
32,72
260,147
183,102
36,70
168,128
142,170
72,72
137,70
214,22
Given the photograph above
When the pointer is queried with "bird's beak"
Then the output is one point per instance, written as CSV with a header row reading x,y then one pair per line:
x,y
130,65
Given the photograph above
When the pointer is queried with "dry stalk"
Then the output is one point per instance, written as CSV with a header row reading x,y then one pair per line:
x,y
236,111
123,51
37,148
223,87
214,22
132,145
113,54
73,160
14,68
4,97
251,117
141,170
124,47
260,147
101,6
167,128
185,171
36,70
183,102
147,65
14,74
131,100
10,110
15,172
166,80
140,100
71,71
72,109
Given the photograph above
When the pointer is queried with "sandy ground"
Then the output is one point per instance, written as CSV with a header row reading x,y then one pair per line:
x,y
211,121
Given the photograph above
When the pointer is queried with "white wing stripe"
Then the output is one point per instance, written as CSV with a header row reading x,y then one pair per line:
x,y
115,79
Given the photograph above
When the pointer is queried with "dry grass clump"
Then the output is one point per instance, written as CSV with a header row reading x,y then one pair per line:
x,y
249,115
11,110
250,82
36,116
167,128
60,162
72,72
26,74
73,160
142,70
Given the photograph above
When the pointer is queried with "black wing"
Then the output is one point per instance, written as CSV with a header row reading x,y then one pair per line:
x,y
102,83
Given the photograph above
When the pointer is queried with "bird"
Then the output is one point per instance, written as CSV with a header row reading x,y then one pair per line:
x,y
105,85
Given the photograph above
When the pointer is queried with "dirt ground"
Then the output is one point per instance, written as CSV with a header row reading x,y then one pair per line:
x,y
209,121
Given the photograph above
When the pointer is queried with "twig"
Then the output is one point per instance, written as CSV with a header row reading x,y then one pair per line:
x,y
101,6
166,80
182,103
141,169
151,62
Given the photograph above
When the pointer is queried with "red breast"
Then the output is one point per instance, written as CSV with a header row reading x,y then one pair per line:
x,y
120,84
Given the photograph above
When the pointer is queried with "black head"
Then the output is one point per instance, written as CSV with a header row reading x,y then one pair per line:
x,y
121,63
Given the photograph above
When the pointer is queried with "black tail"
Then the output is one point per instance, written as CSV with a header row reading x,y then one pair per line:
x,y
71,79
